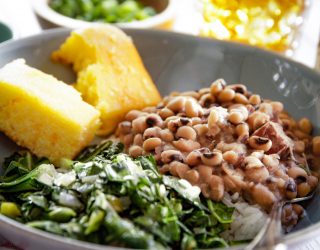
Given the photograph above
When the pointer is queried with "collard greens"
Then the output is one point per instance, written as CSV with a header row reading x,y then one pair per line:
x,y
109,198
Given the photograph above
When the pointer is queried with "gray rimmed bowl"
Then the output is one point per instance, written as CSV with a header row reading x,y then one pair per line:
x,y
180,62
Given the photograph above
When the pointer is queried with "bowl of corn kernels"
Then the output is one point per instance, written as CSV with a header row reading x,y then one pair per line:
x,y
272,24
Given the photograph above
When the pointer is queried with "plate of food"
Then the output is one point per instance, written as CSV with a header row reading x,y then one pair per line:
x,y
152,139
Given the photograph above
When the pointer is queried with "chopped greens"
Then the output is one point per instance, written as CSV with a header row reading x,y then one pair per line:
x,y
109,198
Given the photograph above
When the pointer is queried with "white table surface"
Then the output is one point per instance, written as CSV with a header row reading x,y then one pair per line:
x,y
18,14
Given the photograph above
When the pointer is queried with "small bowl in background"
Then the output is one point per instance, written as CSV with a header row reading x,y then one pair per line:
x,y
163,19
5,32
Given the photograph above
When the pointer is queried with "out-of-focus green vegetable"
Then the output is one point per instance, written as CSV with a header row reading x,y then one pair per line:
x,y
109,198
109,11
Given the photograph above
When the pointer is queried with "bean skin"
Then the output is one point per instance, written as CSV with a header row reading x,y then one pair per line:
x,y
192,176
139,125
186,145
133,114
205,172
171,155
151,132
260,143
217,86
179,169
176,104
192,108
135,151
187,133
166,135
151,143
263,196
165,113
211,158
193,158
217,188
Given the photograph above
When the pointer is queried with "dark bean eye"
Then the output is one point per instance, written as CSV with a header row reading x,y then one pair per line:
x,y
208,155
239,89
176,157
301,179
261,140
151,121
184,121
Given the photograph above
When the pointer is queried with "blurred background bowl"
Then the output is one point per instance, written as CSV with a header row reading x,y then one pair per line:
x,y
163,19
5,32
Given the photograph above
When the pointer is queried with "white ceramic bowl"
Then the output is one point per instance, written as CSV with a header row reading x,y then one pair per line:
x,y
160,20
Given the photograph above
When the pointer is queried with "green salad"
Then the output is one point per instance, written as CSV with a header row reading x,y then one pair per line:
x,y
106,197
108,11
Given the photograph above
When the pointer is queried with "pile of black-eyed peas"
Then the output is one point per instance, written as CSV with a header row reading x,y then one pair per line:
x,y
226,139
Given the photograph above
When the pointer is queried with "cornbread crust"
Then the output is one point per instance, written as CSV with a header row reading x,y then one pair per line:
x,y
111,74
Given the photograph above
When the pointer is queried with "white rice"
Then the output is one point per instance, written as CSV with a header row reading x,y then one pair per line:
x,y
248,219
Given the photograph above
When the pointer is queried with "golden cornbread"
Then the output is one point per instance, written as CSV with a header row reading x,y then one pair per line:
x,y
43,114
111,75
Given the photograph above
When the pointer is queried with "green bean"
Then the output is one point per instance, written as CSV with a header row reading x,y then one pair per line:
x,y
109,11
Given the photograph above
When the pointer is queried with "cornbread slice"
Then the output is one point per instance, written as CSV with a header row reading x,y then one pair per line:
x,y
43,114
111,75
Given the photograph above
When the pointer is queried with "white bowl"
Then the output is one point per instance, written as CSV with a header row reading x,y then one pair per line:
x,y
162,20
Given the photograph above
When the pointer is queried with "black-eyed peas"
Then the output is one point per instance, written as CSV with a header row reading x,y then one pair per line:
x,y
154,120
133,114
241,99
297,172
193,158
201,129
238,88
180,168
226,95
277,107
193,108
187,133
177,104
260,143
207,100
217,86
137,140
205,172
166,135
139,125
213,118
151,143
186,145
135,151
255,99
151,132
257,175
263,196
213,158
231,157
305,125
168,156
165,113
316,145
192,176
216,187
124,127
225,139
303,189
